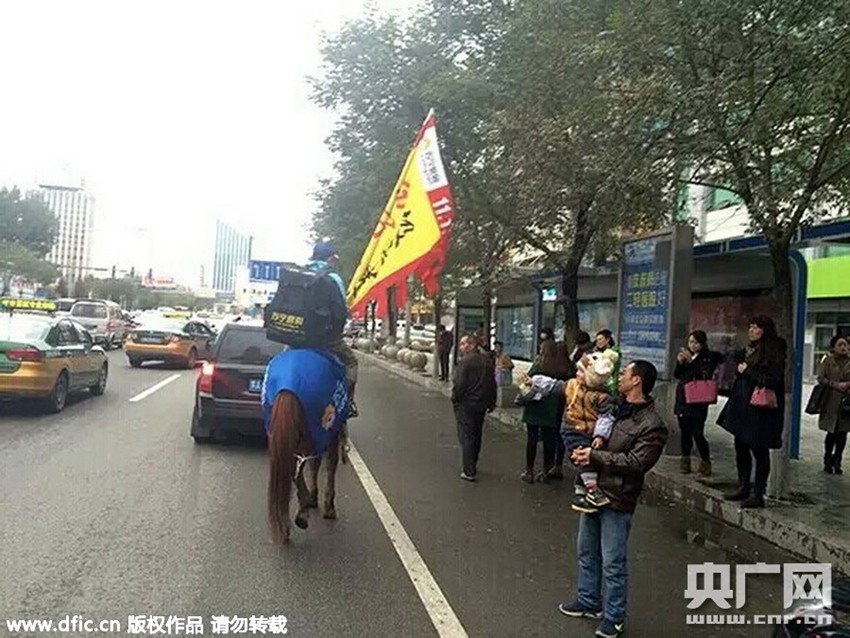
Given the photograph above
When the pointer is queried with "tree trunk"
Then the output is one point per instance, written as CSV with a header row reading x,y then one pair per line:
x,y
569,300
392,311
487,306
783,292
438,319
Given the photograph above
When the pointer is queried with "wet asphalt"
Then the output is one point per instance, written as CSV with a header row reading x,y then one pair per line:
x,y
109,510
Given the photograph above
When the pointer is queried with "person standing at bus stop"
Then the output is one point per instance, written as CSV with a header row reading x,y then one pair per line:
x,y
473,395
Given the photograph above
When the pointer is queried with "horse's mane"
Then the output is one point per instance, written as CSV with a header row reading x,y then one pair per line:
x,y
288,425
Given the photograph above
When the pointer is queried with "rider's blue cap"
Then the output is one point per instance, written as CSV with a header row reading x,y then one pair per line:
x,y
324,250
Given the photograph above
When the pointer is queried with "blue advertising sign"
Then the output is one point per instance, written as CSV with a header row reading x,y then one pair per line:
x,y
645,299
264,270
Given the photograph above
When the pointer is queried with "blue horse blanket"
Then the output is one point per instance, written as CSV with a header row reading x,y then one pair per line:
x,y
317,378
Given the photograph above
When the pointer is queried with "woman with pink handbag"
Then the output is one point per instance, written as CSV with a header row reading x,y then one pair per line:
x,y
697,389
755,410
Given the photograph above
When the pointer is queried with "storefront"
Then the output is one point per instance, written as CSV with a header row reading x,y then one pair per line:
x,y
828,312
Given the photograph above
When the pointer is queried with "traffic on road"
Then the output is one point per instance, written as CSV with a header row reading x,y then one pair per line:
x,y
148,501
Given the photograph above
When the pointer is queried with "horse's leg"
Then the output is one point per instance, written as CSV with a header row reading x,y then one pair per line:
x,y
315,464
303,515
330,485
305,448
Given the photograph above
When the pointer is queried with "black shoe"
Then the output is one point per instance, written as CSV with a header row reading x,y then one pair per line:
x,y
353,412
574,610
827,465
556,473
754,501
468,477
596,497
741,494
528,477
837,469
581,504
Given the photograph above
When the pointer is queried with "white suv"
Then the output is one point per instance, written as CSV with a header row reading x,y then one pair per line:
x,y
103,319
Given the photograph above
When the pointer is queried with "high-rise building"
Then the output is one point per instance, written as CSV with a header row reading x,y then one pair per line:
x,y
74,207
231,249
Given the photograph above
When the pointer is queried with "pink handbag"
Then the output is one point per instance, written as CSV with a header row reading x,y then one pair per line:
x,y
764,398
701,392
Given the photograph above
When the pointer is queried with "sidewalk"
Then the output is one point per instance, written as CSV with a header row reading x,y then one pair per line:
x,y
814,524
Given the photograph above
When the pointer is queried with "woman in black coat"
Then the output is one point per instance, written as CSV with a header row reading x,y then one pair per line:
x,y
694,363
757,430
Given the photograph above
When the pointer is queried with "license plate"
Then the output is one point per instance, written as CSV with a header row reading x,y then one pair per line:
x,y
255,385
149,340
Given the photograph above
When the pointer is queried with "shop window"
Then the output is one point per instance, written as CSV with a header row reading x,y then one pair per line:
x,y
720,198
515,329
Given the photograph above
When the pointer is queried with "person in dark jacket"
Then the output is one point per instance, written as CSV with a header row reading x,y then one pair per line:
x,y
473,395
757,429
583,346
542,418
445,340
565,371
694,363
637,442
834,420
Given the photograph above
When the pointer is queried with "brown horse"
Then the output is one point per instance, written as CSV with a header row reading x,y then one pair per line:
x,y
291,459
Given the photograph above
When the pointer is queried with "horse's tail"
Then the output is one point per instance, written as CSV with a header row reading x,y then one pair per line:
x,y
286,420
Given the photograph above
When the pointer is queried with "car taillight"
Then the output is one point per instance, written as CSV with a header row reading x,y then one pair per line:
x,y
175,338
31,355
205,384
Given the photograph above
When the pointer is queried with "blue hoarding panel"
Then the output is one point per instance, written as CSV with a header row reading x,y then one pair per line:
x,y
645,301
265,270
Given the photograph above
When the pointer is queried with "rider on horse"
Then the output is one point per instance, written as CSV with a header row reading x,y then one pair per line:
x,y
324,259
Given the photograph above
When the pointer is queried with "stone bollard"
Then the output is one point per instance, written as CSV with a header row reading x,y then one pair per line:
x,y
418,361
392,352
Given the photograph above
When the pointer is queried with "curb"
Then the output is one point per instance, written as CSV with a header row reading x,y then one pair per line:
x,y
767,524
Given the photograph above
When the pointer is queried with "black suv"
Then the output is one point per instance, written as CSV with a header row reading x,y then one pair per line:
x,y
227,393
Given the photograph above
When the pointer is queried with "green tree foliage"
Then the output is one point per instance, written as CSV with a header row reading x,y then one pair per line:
x,y
27,221
17,260
755,97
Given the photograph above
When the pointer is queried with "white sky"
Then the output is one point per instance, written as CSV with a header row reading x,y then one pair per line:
x,y
175,113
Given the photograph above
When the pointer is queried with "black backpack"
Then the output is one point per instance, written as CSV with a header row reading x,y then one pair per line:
x,y
307,310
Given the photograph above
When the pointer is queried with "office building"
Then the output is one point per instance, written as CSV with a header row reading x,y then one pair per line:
x,y
74,207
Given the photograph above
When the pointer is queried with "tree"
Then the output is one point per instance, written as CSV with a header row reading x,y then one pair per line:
x,y
27,222
16,260
756,96
761,96
384,76
579,166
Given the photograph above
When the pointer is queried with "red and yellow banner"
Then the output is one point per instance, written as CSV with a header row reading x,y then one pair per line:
x,y
412,236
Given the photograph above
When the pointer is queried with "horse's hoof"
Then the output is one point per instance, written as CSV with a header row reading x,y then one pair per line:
x,y
301,522
330,513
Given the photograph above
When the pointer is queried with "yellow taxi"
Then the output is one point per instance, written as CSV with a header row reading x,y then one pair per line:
x,y
170,340
46,357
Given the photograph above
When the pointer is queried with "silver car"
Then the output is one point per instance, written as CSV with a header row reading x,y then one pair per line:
x,y
103,319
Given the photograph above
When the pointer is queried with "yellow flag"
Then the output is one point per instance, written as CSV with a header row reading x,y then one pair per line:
x,y
413,232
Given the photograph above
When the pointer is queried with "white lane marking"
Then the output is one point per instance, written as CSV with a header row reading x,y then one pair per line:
x,y
154,388
439,610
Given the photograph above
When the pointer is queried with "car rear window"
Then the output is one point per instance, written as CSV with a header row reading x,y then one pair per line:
x,y
91,310
23,328
241,345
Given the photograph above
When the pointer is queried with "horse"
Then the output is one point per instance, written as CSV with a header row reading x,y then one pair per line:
x,y
306,403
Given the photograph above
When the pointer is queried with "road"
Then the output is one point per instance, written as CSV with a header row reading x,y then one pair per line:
x,y
110,510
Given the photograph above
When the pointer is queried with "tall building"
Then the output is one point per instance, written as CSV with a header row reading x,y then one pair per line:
x,y
74,207
231,250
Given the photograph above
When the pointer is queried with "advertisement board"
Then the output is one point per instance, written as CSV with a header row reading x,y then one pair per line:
x,y
264,270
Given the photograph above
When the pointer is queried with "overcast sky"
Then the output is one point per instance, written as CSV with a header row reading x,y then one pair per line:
x,y
175,112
